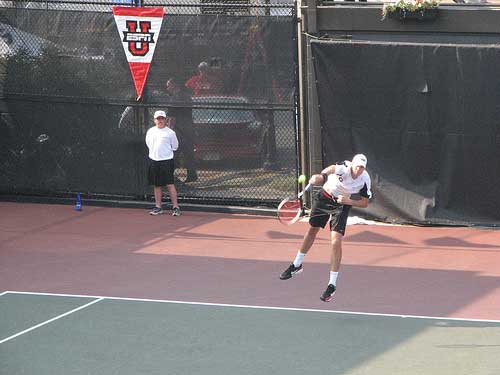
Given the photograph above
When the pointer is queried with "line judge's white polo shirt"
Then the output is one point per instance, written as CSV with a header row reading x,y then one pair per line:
x,y
161,143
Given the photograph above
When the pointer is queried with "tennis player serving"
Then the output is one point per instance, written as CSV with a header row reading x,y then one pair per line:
x,y
333,203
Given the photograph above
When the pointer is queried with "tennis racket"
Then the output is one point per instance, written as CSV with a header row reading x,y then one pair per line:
x,y
290,210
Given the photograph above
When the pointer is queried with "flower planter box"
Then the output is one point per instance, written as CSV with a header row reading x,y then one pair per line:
x,y
418,15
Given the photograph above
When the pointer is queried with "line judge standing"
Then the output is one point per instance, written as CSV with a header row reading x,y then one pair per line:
x,y
162,142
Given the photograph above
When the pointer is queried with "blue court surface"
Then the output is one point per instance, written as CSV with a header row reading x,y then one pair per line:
x,y
54,334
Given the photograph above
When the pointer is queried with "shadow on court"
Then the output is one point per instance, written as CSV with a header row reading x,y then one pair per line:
x,y
235,260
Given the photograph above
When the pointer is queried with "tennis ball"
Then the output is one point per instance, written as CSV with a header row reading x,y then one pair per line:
x,y
302,179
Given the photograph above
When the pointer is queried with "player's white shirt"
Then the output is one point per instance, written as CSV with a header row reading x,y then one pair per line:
x,y
342,183
161,143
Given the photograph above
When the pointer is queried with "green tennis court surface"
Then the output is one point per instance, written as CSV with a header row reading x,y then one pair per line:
x,y
46,334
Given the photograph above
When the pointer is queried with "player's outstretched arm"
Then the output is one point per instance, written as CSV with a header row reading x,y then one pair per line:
x,y
316,179
320,178
329,170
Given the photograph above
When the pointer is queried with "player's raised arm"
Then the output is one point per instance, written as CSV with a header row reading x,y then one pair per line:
x,y
320,178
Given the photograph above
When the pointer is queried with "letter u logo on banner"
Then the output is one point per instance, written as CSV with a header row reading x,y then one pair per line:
x,y
138,41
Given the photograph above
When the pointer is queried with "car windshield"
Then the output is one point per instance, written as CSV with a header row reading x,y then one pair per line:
x,y
210,115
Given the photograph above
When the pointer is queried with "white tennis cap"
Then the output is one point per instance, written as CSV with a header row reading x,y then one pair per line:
x,y
359,160
160,114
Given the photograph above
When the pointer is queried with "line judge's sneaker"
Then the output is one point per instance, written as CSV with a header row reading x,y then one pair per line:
x,y
156,211
176,211
290,272
328,293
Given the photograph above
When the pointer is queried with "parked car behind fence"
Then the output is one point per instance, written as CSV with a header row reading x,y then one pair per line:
x,y
228,134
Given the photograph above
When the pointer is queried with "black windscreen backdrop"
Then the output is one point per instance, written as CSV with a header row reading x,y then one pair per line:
x,y
428,118
68,104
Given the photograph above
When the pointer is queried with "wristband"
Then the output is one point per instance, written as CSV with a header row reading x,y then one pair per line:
x,y
325,177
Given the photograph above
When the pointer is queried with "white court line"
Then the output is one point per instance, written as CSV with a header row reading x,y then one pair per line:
x,y
260,307
1,294
50,320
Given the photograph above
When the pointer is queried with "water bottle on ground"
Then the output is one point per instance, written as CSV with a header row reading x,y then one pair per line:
x,y
78,206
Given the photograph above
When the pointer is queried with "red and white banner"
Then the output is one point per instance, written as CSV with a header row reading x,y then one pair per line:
x,y
139,29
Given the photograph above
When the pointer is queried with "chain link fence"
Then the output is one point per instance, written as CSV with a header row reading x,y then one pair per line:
x,y
70,120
